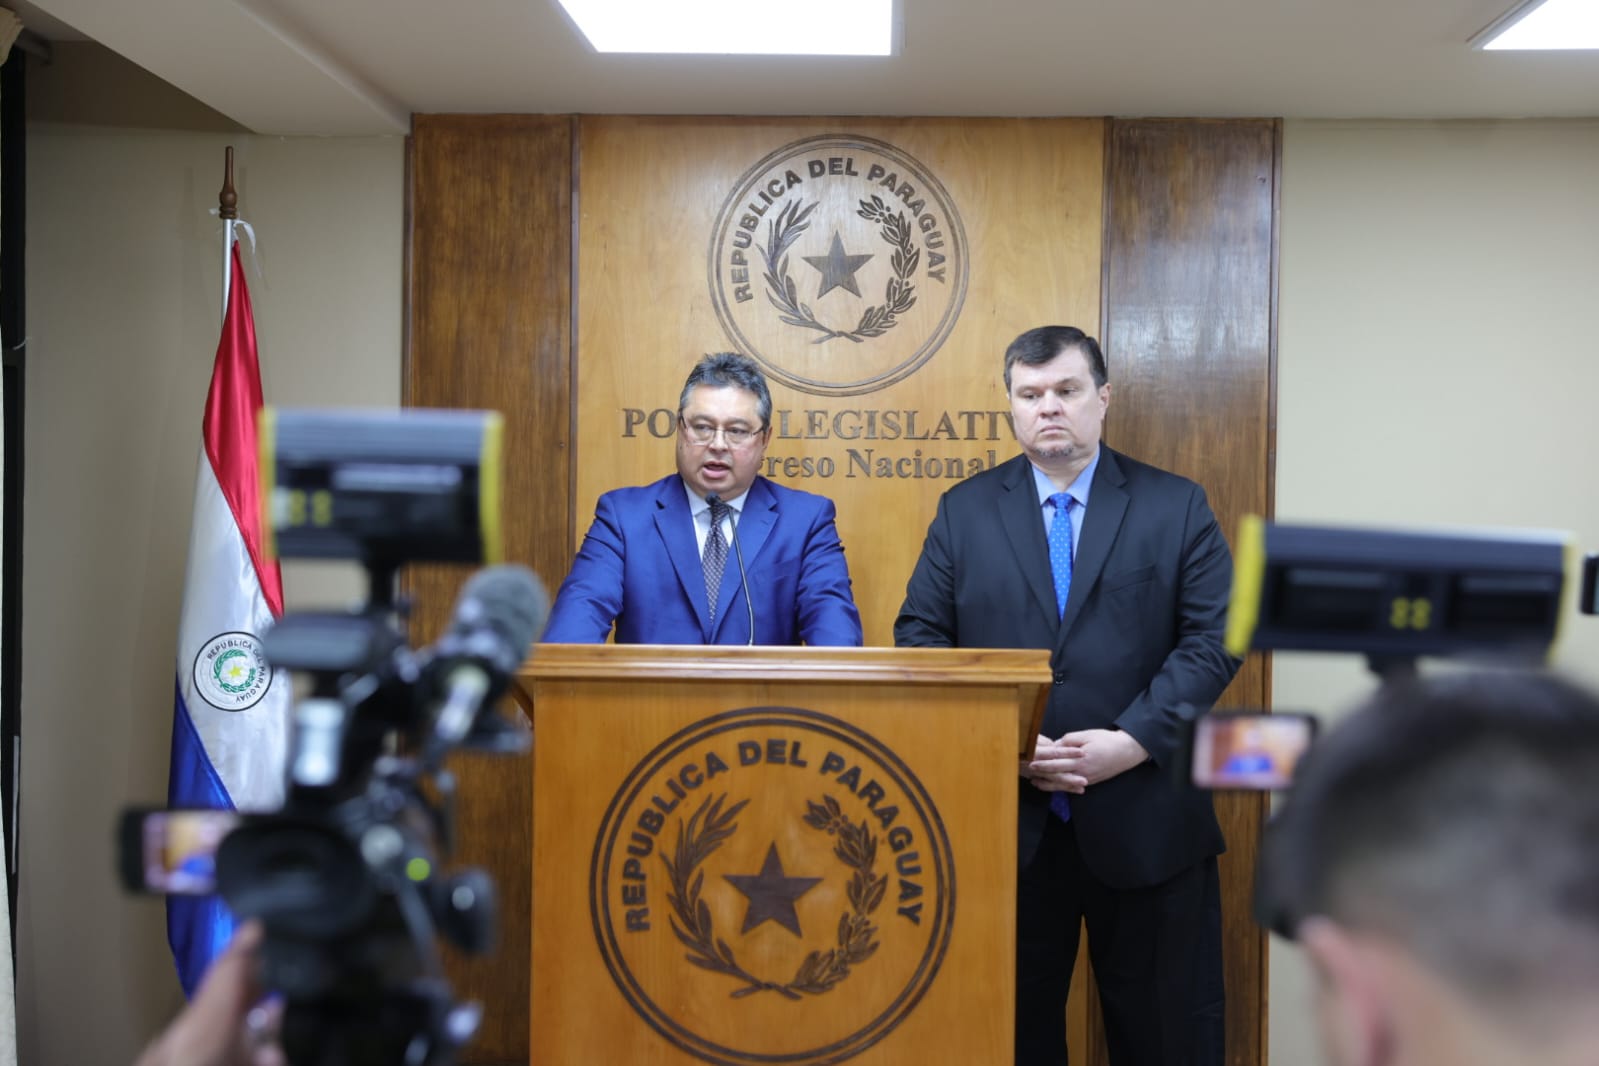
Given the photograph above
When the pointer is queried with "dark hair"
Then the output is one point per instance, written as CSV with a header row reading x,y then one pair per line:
x,y
1457,816
730,369
1038,346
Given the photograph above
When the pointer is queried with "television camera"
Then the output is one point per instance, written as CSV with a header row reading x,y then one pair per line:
x,y
345,877
1394,598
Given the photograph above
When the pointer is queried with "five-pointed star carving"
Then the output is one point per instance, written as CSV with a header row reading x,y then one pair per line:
x,y
838,270
771,895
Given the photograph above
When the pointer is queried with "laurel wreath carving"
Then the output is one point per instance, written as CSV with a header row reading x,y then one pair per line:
x,y
691,916
857,849
899,295
694,927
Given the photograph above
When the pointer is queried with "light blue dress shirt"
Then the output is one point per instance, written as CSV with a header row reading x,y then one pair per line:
x,y
1077,490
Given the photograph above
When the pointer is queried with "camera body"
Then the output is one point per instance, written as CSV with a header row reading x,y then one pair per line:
x,y
1387,595
1394,596
345,877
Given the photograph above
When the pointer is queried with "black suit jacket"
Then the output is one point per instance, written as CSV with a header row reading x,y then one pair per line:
x,y
1139,648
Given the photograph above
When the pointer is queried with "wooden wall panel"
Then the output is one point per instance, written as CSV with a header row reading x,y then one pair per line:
x,y
489,325
1028,194
1185,314
1189,337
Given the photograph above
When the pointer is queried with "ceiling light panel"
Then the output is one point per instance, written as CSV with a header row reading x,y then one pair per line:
x,y
736,27
1544,25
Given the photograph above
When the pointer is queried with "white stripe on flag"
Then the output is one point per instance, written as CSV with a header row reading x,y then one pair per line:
x,y
239,710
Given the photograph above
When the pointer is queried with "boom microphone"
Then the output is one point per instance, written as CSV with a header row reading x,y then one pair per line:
x,y
743,578
500,613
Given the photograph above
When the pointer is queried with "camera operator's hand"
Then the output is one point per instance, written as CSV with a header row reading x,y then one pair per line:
x,y
224,1025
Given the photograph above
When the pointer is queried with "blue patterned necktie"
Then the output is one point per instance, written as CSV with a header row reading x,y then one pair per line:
x,y
1060,565
1060,549
715,558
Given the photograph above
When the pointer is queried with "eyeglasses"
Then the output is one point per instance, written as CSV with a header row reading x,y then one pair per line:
x,y
703,433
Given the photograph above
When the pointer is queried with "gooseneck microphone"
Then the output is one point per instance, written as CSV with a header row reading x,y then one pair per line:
x,y
743,578
499,614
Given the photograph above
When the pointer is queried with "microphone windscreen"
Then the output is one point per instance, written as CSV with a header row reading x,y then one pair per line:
x,y
509,600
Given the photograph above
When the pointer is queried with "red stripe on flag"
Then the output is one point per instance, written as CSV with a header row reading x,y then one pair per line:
x,y
229,429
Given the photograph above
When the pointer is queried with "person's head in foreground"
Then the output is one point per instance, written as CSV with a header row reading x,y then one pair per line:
x,y
1438,861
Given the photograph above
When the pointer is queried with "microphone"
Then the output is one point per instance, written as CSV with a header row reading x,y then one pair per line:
x,y
500,613
743,578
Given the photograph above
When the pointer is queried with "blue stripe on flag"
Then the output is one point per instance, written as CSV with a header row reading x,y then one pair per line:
x,y
198,927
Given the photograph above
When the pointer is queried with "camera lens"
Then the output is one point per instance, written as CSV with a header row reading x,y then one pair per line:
x,y
302,880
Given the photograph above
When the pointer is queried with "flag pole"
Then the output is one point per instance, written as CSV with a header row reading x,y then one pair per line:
x,y
230,714
228,210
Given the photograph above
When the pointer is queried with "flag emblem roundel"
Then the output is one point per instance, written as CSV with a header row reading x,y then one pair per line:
x,y
231,672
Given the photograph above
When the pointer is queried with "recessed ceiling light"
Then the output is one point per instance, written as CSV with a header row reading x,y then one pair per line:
x,y
1543,25
737,27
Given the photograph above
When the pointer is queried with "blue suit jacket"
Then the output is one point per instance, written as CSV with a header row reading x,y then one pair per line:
x,y
639,567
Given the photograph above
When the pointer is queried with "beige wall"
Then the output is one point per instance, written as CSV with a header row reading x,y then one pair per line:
x,y
124,287
1438,362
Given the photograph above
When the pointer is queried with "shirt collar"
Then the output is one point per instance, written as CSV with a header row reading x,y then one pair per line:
x,y
1077,490
697,505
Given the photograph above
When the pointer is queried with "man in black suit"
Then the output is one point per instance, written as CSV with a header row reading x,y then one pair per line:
x,y
1122,572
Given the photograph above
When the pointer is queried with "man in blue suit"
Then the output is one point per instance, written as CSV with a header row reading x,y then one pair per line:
x,y
667,563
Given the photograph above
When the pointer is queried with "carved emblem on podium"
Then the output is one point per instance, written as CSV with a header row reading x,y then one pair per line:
x,y
772,885
840,263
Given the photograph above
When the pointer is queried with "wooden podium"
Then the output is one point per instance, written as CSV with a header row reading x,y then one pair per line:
x,y
791,856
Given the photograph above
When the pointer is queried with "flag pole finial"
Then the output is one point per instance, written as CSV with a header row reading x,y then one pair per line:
x,y
228,199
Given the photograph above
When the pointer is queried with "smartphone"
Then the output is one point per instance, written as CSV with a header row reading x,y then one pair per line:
x,y
172,852
1249,750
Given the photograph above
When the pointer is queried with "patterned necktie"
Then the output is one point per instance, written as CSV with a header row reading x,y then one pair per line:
x,y
1060,564
715,559
1060,549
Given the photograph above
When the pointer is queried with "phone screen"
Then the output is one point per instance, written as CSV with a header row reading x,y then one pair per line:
x,y
174,851
1249,751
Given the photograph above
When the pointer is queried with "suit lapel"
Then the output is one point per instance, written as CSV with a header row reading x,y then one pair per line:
x,y
755,523
675,523
1107,504
1020,514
